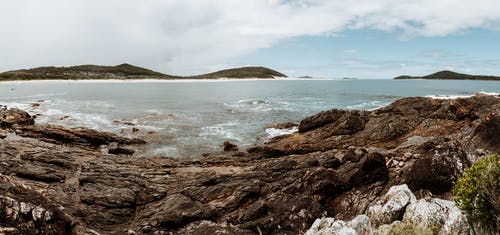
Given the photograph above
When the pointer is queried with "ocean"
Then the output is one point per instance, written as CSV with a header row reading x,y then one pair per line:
x,y
189,118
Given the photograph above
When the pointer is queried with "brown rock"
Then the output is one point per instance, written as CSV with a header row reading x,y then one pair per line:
x,y
9,117
229,147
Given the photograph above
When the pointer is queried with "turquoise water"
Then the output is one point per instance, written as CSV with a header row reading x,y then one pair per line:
x,y
190,118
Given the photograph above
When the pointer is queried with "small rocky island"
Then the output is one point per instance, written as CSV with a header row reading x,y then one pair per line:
x,y
127,71
450,75
371,168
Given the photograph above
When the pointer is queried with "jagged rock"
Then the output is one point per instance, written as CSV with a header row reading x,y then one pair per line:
x,y
68,183
435,173
81,136
24,211
9,117
360,225
488,133
437,214
392,205
320,119
229,147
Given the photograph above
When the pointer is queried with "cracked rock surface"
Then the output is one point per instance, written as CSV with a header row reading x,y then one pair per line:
x,y
56,180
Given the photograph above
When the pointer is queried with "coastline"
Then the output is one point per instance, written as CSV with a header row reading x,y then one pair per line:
x,y
162,80
290,181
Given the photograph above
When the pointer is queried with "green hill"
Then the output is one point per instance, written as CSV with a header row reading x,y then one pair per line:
x,y
126,71
450,75
243,72
123,71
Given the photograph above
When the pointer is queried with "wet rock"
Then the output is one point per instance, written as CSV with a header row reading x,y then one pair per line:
x,y
229,147
78,136
12,116
320,120
285,125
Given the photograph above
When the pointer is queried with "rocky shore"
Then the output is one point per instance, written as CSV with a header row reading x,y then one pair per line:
x,y
341,164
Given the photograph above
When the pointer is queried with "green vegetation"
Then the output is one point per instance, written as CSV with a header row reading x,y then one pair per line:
x,y
477,193
126,71
450,75
409,229
244,72
123,71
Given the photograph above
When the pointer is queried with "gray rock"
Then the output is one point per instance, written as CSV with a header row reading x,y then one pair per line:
x,y
392,205
360,225
437,214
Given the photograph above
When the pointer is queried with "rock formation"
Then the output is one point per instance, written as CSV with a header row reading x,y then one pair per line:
x,y
56,180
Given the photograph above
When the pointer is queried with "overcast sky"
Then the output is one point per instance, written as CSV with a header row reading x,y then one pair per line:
x,y
329,38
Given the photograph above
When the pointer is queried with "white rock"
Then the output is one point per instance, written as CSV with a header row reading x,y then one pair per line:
x,y
25,208
329,226
456,223
392,206
37,213
361,224
437,214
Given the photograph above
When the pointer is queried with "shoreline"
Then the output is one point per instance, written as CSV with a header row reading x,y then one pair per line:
x,y
290,181
163,80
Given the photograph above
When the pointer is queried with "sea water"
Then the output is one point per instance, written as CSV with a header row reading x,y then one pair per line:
x,y
189,118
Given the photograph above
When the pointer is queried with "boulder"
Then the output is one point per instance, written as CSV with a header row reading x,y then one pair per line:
x,y
229,147
438,215
436,173
9,117
392,205
360,225
320,119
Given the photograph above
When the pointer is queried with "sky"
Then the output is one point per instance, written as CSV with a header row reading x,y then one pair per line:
x,y
319,38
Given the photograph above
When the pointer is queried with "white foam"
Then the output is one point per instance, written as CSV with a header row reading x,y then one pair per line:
x,y
273,132
489,93
257,105
22,106
220,130
371,105
448,97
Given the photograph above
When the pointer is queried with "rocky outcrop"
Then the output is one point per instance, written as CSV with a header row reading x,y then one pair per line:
x,y
400,205
340,165
360,225
9,117
392,205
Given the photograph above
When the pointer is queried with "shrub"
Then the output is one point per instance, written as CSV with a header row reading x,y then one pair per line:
x,y
477,193
409,229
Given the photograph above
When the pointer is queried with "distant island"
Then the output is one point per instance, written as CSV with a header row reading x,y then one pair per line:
x,y
127,71
450,75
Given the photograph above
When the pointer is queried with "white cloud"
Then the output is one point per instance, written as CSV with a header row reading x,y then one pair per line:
x,y
187,37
